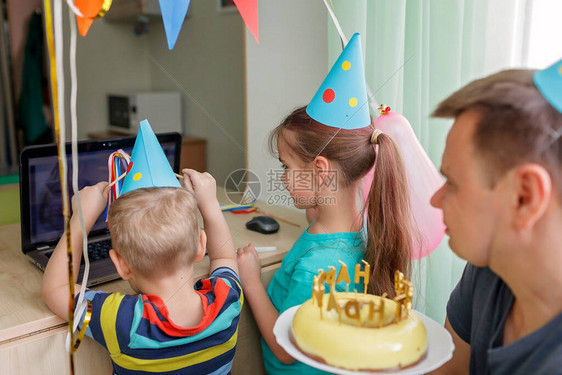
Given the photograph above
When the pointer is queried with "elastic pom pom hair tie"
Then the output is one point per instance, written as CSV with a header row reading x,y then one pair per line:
x,y
375,136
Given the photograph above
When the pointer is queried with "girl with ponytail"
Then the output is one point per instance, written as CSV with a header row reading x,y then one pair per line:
x,y
336,159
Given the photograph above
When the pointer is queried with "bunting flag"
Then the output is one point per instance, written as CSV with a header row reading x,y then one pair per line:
x,y
248,9
90,9
173,15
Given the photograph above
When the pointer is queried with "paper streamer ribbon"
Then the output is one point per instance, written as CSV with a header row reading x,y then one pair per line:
x,y
85,324
62,164
54,31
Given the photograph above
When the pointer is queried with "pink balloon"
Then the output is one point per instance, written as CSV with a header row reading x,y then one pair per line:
x,y
423,178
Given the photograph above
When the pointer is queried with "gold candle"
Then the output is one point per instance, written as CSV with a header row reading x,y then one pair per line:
x,y
330,276
364,274
344,275
377,309
333,304
356,314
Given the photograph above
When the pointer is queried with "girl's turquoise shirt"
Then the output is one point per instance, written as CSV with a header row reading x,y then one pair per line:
x,y
292,283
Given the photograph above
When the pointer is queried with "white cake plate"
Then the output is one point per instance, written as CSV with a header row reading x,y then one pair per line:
x,y
439,350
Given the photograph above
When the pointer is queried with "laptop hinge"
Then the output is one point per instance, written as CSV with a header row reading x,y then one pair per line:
x,y
39,248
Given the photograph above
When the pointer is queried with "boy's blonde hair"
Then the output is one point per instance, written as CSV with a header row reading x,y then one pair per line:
x,y
155,229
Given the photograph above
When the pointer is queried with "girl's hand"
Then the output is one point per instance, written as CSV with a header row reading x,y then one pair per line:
x,y
203,186
249,266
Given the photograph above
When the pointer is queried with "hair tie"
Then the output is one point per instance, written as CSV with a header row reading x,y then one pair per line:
x,y
375,136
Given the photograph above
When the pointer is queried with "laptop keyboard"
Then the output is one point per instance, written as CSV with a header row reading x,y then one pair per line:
x,y
96,250
99,250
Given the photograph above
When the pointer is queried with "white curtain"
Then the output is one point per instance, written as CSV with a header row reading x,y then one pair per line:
x,y
417,52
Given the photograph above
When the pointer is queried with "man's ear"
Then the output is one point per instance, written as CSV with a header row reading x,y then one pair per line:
x,y
123,268
202,246
533,188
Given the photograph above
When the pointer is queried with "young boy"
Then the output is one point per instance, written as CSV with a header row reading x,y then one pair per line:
x,y
170,326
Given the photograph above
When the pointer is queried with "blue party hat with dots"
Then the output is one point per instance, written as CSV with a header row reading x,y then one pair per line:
x,y
341,101
150,167
549,83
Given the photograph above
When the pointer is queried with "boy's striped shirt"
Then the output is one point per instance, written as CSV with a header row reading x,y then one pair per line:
x,y
141,339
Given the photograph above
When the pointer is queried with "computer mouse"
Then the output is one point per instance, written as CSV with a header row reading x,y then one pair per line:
x,y
263,224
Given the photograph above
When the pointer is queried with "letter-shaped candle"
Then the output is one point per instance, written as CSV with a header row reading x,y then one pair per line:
x,y
364,274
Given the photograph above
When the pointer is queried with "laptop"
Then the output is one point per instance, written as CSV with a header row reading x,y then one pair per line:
x,y
42,222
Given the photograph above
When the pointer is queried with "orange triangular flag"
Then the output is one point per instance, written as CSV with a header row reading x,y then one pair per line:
x,y
248,9
89,9
84,25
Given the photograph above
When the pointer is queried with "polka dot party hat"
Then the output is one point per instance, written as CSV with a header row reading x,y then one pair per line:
x,y
549,83
150,166
341,100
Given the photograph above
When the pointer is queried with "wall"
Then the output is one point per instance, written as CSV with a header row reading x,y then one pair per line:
x,y
207,66
282,72
225,76
110,59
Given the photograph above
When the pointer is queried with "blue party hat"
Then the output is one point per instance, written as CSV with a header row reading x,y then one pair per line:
x,y
549,83
341,100
150,166
173,15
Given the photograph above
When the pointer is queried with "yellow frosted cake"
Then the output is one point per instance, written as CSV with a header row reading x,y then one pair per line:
x,y
359,331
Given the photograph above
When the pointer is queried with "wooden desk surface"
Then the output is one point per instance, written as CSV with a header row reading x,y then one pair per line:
x,y
23,312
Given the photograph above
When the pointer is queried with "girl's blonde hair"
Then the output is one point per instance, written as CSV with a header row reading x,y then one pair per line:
x,y
390,230
155,230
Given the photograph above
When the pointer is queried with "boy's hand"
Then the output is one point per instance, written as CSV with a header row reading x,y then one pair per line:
x,y
203,186
54,288
249,265
93,200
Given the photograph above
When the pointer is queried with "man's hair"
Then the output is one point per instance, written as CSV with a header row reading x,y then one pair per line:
x,y
517,124
155,229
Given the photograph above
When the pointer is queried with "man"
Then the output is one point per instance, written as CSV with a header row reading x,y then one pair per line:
x,y
502,205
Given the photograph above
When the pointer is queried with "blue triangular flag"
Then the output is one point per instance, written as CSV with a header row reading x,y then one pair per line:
x,y
341,100
150,165
549,83
173,15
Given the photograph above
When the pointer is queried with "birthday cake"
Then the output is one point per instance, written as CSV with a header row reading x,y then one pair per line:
x,y
359,331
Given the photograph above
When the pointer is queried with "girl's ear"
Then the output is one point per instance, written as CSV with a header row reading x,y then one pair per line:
x,y
321,167
123,268
321,164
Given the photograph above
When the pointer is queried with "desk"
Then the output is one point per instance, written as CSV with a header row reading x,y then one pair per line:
x,y
32,337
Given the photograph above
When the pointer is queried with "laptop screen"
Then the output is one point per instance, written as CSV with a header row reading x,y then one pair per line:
x,y
40,192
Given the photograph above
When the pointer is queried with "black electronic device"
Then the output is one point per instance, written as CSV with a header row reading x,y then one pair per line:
x,y
41,202
263,224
